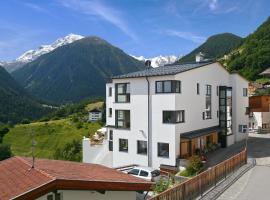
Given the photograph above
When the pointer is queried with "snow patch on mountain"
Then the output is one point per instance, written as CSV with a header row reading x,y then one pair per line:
x,y
31,55
159,60
43,49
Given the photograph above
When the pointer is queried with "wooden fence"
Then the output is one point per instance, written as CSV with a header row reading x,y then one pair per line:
x,y
199,184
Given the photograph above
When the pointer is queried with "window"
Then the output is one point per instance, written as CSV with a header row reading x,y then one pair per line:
x,y
242,128
217,90
163,150
208,107
247,111
217,114
122,92
110,91
142,147
168,86
122,118
198,88
110,112
50,197
143,173
245,92
134,171
58,196
172,117
111,140
203,115
123,145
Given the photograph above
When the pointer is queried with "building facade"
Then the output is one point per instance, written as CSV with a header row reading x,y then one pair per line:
x,y
161,114
95,115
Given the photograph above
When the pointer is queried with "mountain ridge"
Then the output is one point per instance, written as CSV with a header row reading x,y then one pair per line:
x,y
75,71
214,47
31,55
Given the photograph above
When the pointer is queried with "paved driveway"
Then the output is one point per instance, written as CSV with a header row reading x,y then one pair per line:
x,y
254,185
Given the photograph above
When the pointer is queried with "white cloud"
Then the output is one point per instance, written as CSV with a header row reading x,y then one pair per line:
x,y
186,35
213,4
99,9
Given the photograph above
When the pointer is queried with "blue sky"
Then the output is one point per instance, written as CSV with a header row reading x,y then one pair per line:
x,y
139,27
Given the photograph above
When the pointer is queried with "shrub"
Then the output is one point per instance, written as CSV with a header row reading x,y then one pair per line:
x,y
162,185
71,151
194,166
25,121
5,151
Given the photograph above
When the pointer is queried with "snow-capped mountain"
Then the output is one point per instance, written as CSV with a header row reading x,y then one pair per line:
x,y
31,55
159,60
43,49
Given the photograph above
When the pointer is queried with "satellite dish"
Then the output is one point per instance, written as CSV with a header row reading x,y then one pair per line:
x,y
148,63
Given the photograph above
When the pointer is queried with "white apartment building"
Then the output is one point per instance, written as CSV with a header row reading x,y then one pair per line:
x,y
159,115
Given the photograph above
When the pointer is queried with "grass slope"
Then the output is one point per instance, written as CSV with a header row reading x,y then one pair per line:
x,y
48,135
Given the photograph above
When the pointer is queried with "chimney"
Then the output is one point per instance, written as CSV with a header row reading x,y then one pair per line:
x,y
147,64
199,57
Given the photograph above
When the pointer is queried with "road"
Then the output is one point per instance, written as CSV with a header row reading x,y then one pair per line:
x,y
254,185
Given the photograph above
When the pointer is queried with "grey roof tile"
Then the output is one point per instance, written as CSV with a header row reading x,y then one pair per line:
x,y
164,70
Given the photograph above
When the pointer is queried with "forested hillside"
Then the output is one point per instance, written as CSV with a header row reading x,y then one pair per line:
x,y
253,56
215,46
15,104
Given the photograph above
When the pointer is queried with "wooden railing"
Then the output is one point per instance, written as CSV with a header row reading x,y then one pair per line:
x,y
201,183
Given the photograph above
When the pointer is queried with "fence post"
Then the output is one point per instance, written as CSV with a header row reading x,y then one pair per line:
x,y
200,182
225,170
184,192
215,176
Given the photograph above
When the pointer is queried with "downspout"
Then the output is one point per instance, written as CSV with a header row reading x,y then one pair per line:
x,y
148,125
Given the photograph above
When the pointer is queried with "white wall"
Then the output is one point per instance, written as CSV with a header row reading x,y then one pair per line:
x,y
239,104
97,154
93,195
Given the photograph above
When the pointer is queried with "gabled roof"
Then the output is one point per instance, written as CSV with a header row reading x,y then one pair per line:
x,y
19,181
95,110
164,70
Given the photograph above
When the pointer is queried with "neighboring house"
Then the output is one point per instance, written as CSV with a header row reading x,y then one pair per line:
x,y
95,115
64,180
259,113
158,115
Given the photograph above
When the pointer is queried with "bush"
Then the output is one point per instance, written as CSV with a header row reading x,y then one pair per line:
x,y
194,166
25,121
3,132
162,185
71,151
5,151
